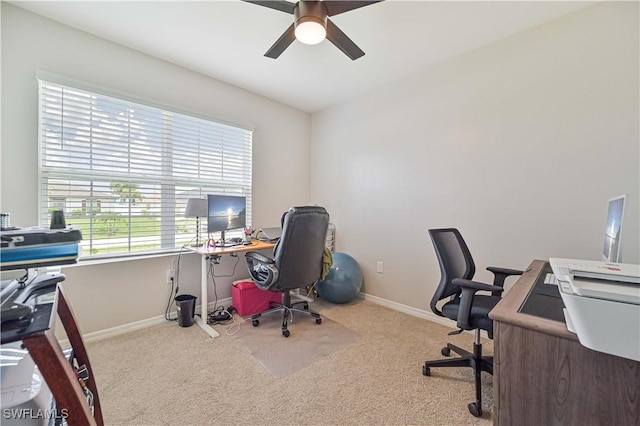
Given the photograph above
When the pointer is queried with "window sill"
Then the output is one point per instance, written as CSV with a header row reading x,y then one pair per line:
x,y
88,261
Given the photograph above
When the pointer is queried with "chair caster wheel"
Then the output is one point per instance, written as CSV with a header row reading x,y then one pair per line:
x,y
286,333
318,320
475,409
445,351
426,371
255,323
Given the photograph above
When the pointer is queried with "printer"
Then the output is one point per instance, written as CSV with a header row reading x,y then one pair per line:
x,y
602,304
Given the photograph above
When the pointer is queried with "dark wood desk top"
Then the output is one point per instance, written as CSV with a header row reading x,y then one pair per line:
x,y
507,309
212,251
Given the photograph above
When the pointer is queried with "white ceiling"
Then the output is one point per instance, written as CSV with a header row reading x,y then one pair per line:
x,y
227,39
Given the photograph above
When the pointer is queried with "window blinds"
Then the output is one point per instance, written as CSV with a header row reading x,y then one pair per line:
x,y
123,172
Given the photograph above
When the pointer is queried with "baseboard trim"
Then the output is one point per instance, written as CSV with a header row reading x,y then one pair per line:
x,y
123,329
406,309
138,325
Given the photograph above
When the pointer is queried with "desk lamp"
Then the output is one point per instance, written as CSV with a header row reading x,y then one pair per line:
x,y
196,207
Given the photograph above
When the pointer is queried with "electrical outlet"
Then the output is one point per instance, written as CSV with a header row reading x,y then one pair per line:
x,y
171,275
379,267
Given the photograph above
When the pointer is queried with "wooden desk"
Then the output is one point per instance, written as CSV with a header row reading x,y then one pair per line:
x,y
542,375
206,253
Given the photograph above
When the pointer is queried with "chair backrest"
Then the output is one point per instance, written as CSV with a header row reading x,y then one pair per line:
x,y
298,255
455,261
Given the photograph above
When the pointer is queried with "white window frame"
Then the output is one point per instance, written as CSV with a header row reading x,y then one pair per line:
x,y
89,141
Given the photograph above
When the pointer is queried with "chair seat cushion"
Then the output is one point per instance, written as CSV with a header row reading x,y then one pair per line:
x,y
479,318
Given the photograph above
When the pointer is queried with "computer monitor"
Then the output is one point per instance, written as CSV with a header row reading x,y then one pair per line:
x,y
226,212
613,230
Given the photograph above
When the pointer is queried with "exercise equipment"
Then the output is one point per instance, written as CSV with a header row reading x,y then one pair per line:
x,y
344,280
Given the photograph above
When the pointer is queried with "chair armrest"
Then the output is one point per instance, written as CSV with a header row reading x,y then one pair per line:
x,y
500,274
475,285
504,271
258,257
469,289
262,270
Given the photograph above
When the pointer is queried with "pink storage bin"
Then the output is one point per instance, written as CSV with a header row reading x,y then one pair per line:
x,y
249,299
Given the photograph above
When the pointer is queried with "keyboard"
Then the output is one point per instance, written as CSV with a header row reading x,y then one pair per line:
x,y
550,278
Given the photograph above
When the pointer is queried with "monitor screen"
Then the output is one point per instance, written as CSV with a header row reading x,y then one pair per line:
x,y
613,230
226,212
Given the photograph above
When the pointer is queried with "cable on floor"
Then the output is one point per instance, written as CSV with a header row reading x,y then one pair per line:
x,y
175,282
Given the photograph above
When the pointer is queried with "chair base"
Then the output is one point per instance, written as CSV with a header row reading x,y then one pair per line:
x,y
287,309
474,360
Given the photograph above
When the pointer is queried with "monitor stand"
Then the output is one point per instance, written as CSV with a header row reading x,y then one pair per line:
x,y
221,244
224,243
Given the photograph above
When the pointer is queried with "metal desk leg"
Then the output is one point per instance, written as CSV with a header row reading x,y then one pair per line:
x,y
202,319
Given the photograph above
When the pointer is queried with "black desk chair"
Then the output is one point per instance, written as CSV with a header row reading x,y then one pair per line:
x,y
296,262
471,311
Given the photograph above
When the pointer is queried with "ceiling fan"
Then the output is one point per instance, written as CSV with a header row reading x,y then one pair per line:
x,y
312,24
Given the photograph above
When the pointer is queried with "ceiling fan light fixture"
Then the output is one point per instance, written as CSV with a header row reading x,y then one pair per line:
x,y
310,18
311,24
310,32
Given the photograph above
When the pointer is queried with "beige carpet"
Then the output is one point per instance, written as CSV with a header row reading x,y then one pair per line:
x,y
307,342
168,375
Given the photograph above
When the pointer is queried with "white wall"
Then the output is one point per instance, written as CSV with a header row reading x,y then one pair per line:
x,y
106,296
519,145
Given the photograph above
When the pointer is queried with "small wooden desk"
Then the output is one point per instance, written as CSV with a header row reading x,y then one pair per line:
x,y
206,253
542,375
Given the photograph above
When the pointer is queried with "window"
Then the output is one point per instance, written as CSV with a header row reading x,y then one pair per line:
x,y
123,172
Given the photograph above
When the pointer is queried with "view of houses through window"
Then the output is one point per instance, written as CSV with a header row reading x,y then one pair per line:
x,y
122,172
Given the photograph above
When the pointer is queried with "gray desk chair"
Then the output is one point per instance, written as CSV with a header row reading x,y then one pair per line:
x,y
296,262
468,309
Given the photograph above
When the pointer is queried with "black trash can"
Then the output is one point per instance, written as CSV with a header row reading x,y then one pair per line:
x,y
186,309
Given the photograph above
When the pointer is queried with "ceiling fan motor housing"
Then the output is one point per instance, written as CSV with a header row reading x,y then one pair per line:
x,y
310,11
311,24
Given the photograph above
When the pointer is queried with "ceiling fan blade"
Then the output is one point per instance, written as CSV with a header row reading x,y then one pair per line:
x,y
281,5
335,7
282,43
342,42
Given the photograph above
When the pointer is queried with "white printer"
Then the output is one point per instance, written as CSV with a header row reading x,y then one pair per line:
x,y
602,301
